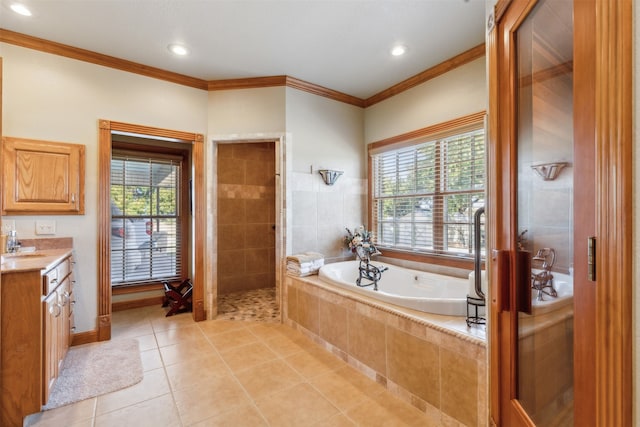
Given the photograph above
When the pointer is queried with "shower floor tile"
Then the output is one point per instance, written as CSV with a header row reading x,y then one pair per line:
x,y
258,305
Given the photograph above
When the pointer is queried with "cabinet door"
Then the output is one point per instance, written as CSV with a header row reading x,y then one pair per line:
x,y
42,177
51,317
64,320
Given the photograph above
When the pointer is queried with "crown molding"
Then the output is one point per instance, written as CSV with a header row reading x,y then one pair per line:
x,y
67,51
288,81
35,43
433,72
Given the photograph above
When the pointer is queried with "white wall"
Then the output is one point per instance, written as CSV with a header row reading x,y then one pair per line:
x,y
326,134
451,95
246,111
60,99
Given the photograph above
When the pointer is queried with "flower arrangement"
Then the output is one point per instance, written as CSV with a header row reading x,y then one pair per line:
x,y
359,237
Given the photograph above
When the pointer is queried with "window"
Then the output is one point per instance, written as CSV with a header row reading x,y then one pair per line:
x,y
146,218
426,193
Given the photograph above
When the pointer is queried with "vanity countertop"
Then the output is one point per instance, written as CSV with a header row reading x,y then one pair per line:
x,y
44,259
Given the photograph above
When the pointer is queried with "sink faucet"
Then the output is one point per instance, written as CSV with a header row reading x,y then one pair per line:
x,y
12,242
544,259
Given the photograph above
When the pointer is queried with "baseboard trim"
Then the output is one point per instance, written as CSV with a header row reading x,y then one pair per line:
x,y
144,302
84,338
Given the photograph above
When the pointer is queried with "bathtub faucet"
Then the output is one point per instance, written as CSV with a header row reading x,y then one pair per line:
x,y
543,281
368,271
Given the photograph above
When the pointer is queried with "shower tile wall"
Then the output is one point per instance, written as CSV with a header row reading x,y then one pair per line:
x,y
321,212
546,207
246,215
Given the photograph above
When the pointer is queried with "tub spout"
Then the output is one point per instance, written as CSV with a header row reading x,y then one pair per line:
x,y
543,281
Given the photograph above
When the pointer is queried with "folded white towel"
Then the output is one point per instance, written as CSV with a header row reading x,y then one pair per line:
x,y
296,271
302,270
310,265
306,257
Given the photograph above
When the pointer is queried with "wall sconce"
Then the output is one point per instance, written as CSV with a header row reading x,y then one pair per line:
x,y
330,176
549,171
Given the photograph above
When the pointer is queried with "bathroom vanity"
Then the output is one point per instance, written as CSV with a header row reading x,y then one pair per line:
x,y
36,321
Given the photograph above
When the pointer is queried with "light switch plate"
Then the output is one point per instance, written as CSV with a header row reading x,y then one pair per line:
x,y
44,226
8,225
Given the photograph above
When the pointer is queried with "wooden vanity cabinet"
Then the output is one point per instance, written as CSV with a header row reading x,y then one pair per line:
x,y
42,177
36,321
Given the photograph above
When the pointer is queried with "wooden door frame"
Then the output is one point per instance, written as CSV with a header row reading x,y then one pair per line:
x,y
106,128
613,211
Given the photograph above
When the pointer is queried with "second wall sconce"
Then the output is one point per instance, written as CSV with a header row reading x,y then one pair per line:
x,y
549,171
330,176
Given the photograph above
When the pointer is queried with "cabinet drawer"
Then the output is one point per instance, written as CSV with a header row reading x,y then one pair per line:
x,y
56,275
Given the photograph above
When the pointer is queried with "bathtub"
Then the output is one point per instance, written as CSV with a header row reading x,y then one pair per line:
x,y
430,292
418,290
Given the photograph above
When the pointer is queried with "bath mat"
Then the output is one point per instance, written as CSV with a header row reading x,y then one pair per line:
x,y
93,369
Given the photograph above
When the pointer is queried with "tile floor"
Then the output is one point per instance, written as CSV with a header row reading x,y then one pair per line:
x,y
233,373
256,304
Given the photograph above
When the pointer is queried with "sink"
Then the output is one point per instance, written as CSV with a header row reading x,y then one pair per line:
x,y
21,255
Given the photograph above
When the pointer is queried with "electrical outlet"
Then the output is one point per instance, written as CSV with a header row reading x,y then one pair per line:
x,y
45,227
8,225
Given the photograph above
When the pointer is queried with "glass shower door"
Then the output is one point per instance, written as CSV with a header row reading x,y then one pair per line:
x,y
544,198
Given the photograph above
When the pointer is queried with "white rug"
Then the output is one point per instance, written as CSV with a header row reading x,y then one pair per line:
x,y
93,369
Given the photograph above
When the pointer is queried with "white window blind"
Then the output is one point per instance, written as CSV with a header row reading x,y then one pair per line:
x,y
425,194
145,219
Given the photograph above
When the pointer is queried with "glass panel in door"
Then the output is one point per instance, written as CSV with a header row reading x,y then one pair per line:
x,y
544,84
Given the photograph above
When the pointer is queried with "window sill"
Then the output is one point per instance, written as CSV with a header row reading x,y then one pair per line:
x,y
443,260
132,289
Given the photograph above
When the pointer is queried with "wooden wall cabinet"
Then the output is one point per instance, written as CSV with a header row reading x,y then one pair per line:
x,y
42,177
36,325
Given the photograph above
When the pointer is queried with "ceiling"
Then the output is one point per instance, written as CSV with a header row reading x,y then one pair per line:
x,y
342,45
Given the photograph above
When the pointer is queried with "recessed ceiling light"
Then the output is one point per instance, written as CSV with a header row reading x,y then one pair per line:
x,y
20,9
398,50
178,49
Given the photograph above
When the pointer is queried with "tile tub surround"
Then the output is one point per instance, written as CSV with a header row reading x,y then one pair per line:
x,y
432,361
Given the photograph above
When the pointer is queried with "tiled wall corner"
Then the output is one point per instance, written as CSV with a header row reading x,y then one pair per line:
x,y
320,212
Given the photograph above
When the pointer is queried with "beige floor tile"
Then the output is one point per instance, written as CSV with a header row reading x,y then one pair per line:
x,y
209,398
153,384
212,327
298,406
266,331
339,420
315,361
162,323
287,346
247,356
386,410
346,387
186,352
267,378
245,416
76,413
159,411
147,342
183,375
151,360
132,330
179,335
230,339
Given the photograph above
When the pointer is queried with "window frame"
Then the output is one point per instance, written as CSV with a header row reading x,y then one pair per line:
x,y
438,131
161,150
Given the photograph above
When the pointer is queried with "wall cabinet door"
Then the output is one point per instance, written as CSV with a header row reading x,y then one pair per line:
x,y
42,177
